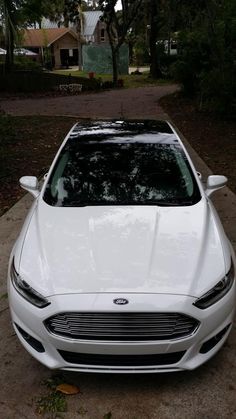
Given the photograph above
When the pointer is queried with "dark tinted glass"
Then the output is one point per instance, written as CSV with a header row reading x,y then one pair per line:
x,y
106,173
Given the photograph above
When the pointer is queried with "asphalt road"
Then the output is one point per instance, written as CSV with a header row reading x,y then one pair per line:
x,y
206,393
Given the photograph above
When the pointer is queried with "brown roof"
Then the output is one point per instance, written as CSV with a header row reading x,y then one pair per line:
x,y
44,37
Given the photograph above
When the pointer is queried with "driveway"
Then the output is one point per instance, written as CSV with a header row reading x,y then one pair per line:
x,y
141,102
206,393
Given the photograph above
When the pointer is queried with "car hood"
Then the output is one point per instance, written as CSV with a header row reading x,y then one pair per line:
x,y
122,249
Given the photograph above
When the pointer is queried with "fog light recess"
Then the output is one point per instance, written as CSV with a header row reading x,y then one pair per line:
x,y
30,340
209,344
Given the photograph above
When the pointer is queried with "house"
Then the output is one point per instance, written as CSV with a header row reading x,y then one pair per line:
x,y
97,56
56,47
94,30
59,47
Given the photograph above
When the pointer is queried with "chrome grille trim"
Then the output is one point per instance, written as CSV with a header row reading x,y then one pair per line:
x,y
122,326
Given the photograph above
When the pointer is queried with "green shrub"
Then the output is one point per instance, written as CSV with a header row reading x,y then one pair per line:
x,y
26,64
218,90
206,66
184,74
31,82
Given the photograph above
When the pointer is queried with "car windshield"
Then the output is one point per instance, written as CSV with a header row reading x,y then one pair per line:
x,y
127,173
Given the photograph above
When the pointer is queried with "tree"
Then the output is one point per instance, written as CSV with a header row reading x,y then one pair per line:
x,y
153,37
33,11
73,13
206,64
118,23
18,13
91,5
9,11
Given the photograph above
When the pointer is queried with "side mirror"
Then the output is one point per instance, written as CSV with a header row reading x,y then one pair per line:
x,y
215,182
30,184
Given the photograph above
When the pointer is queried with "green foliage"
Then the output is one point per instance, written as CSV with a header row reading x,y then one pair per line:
x,y
40,82
206,65
118,25
15,14
218,91
33,11
54,402
51,403
26,64
72,10
140,51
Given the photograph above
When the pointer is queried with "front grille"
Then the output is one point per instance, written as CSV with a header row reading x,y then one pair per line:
x,y
122,326
122,360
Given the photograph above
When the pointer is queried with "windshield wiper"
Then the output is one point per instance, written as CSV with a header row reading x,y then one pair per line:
x,y
173,203
162,203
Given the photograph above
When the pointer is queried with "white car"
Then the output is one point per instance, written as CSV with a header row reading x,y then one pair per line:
x,y
122,264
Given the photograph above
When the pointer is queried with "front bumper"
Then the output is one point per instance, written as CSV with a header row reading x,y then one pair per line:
x,y
57,350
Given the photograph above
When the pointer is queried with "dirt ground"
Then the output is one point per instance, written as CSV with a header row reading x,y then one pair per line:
x,y
27,147
211,136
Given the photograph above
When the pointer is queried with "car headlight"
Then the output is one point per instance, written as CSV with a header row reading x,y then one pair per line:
x,y
218,291
25,290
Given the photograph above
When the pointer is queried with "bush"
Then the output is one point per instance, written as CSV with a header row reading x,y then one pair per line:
x,y
21,64
26,64
32,82
108,84
166,62
218,90
184,74
206,66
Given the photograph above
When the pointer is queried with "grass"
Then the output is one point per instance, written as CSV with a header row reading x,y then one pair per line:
x,y
53,403
130,80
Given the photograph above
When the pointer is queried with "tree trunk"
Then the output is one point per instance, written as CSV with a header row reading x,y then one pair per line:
x,y
9,46
114,52
79,34
154,64
80,61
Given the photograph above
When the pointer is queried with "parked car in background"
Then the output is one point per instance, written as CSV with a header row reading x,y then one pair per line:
x,y
122,264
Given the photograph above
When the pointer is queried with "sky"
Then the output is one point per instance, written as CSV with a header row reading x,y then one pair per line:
x,y
118,6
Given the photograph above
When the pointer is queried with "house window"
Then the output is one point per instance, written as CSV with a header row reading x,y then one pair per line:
x,y
102,35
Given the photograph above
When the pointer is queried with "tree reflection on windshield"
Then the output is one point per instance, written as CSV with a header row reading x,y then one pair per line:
x,y
98,173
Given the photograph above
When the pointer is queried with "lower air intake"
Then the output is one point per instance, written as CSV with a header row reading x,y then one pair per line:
x,y
122,360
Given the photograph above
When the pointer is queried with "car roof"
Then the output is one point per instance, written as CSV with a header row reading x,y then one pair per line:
x,y
123,131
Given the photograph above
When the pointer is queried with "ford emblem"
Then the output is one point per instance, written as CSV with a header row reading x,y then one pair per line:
x,y
120,301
